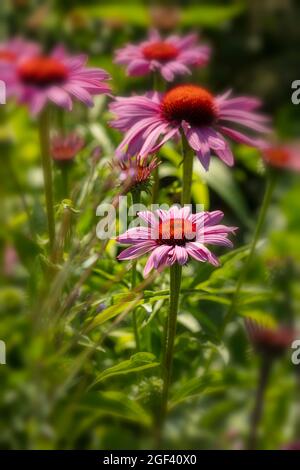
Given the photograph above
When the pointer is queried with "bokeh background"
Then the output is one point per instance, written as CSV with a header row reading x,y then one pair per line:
x,y
46,395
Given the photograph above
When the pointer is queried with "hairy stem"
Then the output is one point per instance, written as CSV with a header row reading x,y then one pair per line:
x,y
255,419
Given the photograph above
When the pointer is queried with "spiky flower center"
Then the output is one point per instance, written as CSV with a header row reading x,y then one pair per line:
x,y
7,56
176,231
137,173
189,103
42,71
143,173
161,51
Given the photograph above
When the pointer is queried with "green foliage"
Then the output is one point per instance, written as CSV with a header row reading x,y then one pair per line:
x,y
137,363
74,377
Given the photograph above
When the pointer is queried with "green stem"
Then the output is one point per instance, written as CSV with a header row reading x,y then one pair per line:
x,y
270,185
159,84
170,332
65,179
44,132
187,172
255,419
61,120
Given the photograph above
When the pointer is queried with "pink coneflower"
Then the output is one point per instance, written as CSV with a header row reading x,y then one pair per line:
x,y
173,235
151,120
270,342
11,53
17,48
57,78
136,173
170,57
286,156
64,148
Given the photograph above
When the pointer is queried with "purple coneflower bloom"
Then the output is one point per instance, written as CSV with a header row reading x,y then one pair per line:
x,y
286,156
64,148
170,57
57,78
151,120
11,53
272,342
174,235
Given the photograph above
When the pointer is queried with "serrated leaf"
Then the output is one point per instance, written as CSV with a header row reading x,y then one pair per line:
x,y
113,311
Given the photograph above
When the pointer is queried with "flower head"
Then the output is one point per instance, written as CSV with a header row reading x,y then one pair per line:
x,y
170,57
136,173
12,52
269,341
57,78
64,148
175,235
151,120
283,156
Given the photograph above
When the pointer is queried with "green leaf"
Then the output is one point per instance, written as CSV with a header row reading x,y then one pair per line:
x,y
189,321
138,15
200,192
261,317
112,403
113,311
210,276
210,15
138,362
195,387
221,179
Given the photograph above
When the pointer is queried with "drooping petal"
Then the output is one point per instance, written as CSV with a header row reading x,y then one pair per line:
x,y
242,138
137,250
155,259
60,97
200,252
181,254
